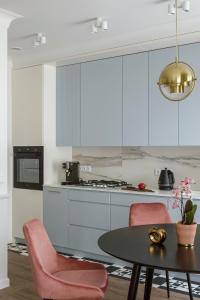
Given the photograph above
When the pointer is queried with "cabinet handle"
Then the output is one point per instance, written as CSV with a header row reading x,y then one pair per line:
x,y
53,191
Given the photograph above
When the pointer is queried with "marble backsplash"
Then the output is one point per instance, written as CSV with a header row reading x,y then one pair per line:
x,y
137,164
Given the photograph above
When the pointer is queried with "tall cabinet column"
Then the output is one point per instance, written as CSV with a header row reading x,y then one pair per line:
x,y
6,18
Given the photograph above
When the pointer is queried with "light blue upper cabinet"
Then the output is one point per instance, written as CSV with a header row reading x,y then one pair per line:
x,y
163,113
101,102
68,105
189,108
135,100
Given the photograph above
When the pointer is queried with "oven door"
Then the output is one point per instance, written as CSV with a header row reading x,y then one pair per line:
x,y
28,170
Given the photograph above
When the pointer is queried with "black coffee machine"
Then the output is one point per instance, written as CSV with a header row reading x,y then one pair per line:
x,y
72,169
166,180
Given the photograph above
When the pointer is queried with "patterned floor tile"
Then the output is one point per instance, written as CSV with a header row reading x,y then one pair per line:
x,y
119,271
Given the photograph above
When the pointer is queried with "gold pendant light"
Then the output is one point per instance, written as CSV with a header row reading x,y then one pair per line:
x,y
177,80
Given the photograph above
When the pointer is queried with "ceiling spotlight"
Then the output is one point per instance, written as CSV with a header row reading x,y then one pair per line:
x,y
171,8
94,28
186,5
40,39
99,24
105,25
16,48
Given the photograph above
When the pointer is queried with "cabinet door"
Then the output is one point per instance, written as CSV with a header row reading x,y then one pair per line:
x,y
135,100
189,109
101,102
68,106
55,215
120,206
163,113
119,216
85,239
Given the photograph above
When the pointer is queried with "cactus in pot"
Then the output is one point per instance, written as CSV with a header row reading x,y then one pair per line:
x,y
189,212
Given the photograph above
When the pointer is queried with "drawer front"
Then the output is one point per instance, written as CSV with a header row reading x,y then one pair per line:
x,y
85,239
89,196
127,200
92,215
121,199
55,215
119,216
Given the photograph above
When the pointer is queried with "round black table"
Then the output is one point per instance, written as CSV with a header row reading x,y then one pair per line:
x,y
132,244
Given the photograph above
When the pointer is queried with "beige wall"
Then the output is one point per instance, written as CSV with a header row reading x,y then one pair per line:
x,y
27,106
27,204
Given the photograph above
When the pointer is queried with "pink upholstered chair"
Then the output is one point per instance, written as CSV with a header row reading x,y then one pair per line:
x,y
57,277
153,213
149,213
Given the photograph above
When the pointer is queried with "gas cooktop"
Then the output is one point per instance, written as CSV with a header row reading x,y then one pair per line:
x,y
103,183
99,183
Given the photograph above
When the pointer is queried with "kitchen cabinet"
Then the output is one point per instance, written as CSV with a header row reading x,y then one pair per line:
x,y
76,218
189,109
68,105
163,114
120,206
55,215
89,218
135,100
116,101
101,102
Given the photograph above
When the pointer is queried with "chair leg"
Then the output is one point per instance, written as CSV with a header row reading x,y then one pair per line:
x,y
189,286
167,282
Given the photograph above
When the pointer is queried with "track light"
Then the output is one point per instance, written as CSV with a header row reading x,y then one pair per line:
x,y
40,39
186,6
99,24
94,28
171,8
105,25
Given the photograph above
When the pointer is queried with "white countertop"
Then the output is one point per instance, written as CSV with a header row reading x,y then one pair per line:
x,y
158,193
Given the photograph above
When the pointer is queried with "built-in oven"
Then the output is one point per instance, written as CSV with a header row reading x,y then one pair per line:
x,y
28,167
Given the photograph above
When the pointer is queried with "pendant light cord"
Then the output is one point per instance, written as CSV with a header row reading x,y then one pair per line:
x,y
177,47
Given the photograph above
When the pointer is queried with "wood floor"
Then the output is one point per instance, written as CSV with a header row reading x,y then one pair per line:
x,y
22,287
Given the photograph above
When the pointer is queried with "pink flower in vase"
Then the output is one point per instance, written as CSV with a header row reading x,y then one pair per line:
x,y
181,194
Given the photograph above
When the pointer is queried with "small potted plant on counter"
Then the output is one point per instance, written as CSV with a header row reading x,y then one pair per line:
x,y
186,228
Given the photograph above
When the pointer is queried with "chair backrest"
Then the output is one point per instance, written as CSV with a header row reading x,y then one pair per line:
x,y
148,213
42,254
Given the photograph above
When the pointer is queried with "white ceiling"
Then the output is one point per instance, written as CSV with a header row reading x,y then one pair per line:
x,y
133,26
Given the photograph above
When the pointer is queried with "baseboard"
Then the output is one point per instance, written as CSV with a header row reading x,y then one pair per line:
x,y
4,283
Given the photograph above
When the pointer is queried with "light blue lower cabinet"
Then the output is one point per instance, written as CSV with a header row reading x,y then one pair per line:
x,y
93,215
85,239
55,215
120,207
119,216
75,219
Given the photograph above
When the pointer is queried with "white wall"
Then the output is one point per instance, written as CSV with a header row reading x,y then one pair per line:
x,y
53,156
10,152
5,19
